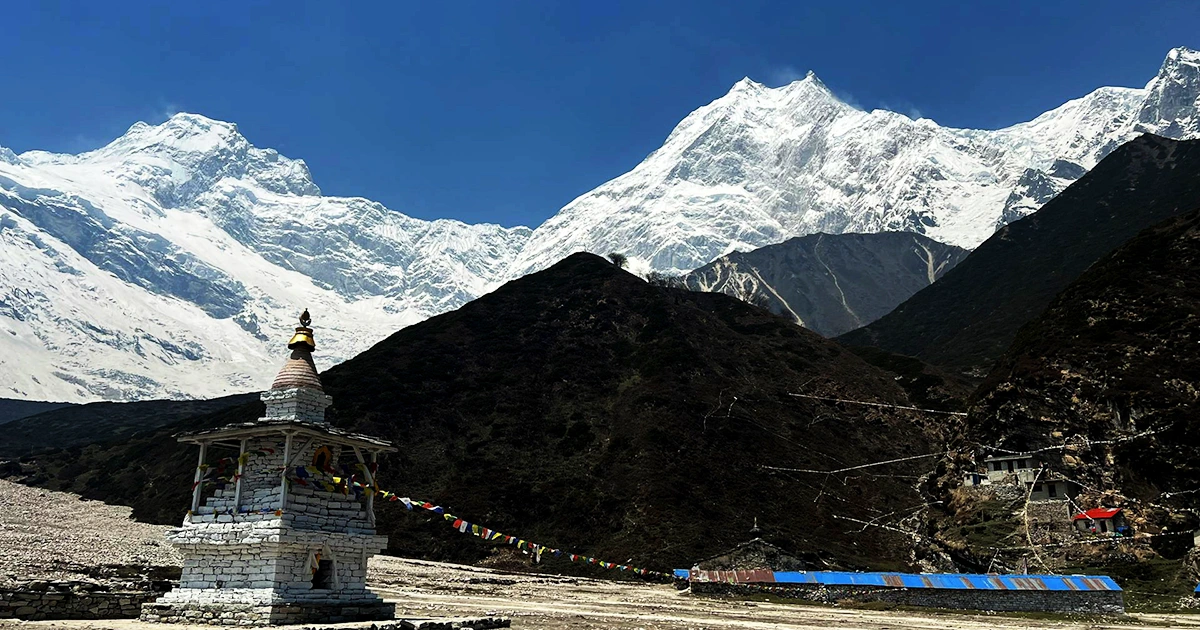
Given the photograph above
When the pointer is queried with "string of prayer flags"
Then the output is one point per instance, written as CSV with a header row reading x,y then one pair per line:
x,y
219,468
216,473
214,477
492,535
311,475
245,457
307,475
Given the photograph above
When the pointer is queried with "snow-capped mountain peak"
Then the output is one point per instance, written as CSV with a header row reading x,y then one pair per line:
x,y
8,157
759,165
182,133
748,90
745,84
160,264
186,156
1173,97
163,263
812,81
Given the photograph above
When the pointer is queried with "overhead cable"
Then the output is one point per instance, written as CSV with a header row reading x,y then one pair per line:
x,y
875,404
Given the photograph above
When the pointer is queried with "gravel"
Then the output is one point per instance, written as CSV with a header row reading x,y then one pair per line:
x,y
56,535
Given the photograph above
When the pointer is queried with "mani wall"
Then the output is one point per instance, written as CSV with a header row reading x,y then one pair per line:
x,y
117,596
70,601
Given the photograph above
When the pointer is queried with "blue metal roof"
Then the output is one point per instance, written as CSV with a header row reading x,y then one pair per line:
x,y
796,577
958,581
1198,588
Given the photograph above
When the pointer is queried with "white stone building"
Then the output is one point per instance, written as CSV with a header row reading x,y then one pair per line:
x,y
1024,466
286,534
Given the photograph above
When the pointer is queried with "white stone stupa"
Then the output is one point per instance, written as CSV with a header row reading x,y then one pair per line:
x,y
280,530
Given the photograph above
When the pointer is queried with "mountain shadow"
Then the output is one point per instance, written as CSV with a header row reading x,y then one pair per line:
x,y
1112,367
11,409
583,408
967,319
831,283
67,425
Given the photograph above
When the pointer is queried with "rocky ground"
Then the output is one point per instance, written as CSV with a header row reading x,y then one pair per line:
x,y
541,602
50,534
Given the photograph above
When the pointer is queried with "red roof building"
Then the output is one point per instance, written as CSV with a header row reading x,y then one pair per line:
x,y
1101,521
1098,513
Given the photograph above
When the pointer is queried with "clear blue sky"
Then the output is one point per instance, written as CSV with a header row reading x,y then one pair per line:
x,y
504,111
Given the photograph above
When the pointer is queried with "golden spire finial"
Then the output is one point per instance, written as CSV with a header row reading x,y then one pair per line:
x,y
304,334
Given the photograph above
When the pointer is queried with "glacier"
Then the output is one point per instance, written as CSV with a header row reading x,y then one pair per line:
x,y
166,263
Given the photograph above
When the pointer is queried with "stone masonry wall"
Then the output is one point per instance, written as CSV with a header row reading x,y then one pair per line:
x,y
260,551
1050,522
308,506
70,601
1052,515
1102,602
298,403
267,561
263,615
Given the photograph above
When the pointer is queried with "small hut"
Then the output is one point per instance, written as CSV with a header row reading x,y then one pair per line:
x,y
1102,521
1023,465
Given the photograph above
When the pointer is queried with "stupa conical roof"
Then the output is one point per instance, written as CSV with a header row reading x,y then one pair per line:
x,y
298,370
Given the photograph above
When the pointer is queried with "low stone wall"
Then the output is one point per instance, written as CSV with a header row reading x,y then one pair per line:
x,y
1006,492
1052,515
1096,602
70,600
264,615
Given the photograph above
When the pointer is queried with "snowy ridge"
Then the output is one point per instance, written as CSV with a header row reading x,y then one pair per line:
x,y
760,165
170,263
167,263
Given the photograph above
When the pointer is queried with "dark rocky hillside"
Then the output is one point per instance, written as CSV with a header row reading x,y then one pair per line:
x,y
16,409
1114,362
967,319
831,283
927,386
71,425
584,408
1103,385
